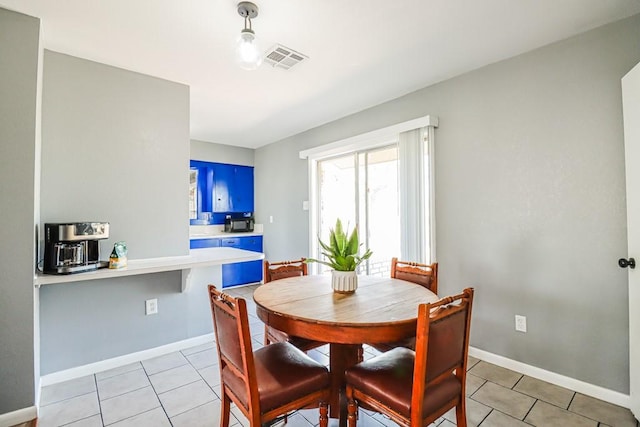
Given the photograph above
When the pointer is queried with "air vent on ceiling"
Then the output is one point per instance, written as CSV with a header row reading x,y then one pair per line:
x,y
282,57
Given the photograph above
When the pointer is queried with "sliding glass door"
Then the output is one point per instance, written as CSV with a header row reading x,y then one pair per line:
x,y
361,188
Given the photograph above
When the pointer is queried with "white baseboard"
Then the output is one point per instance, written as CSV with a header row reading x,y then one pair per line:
x,y
103,365
582,387
18,417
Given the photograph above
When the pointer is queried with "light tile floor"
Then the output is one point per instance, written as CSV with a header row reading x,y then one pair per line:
x,y
183,389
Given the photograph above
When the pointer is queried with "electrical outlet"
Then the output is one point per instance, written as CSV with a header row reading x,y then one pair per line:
x,y
270,219
521,323
151,306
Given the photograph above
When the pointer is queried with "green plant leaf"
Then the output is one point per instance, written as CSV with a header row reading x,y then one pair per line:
x,y
332,239
324,245
338,228
352,245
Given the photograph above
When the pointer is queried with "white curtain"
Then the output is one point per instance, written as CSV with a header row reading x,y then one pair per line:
x,y
432,191
416,195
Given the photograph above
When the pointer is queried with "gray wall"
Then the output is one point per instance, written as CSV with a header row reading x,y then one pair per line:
x,y
115,147
19,50
281,185
530,198
220,153
87,322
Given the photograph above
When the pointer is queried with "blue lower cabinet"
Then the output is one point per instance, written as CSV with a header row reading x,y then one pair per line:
x,y
204,243
241,273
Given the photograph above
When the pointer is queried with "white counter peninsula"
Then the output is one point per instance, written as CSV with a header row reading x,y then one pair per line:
x,y
186,263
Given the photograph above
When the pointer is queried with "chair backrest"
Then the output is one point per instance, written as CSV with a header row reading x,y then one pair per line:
x,y
422,274
284,269
233,339
442,344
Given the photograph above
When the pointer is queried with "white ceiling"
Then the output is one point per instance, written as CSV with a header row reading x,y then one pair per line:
x,y
361,52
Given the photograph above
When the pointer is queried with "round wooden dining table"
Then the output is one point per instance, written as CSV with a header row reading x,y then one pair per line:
x,y
380,310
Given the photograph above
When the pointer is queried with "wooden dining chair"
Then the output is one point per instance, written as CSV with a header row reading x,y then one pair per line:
x,y
414,388
282,270
422,274
268,383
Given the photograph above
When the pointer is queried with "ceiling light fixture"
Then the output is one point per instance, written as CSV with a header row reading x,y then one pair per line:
x,y
248,54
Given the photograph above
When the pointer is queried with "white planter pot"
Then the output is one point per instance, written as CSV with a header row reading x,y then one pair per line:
x,y
344,282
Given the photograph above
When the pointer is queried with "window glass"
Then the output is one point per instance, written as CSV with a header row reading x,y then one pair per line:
x,y
363,185
193,193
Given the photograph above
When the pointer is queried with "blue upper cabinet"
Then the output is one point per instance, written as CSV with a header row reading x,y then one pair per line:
x,y
241,189
223,178
221,189
233,188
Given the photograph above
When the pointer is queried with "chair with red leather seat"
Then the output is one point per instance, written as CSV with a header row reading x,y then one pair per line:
x,y
414,388
282,270
268,383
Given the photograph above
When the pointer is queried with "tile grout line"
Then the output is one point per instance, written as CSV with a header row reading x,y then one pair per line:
x,y
193,382
517,382
544,401
67,399
571,400
530,409
69,423
575,393
95,381
177,387
486,416
143,412
156,393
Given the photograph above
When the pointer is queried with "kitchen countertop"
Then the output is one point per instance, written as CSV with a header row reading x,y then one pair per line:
x,y
197,232
196,258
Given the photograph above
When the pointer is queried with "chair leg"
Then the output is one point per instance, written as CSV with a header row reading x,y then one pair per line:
x,y
324,414
352,408
352,413
226,409
461,413
266,335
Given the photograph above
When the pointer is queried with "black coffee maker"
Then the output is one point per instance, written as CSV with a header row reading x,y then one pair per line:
x,y
73,247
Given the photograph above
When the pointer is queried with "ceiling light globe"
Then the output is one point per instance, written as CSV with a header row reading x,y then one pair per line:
x,y
248,53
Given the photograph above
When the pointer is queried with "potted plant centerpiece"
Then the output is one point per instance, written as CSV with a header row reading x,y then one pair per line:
x,y
342,256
